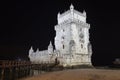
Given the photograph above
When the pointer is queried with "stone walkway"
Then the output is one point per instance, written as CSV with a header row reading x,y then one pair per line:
x,y
79,74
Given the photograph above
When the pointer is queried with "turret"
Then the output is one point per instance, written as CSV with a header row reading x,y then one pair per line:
x,y
31,51
71,7
58,15
37,50
50,48
84,13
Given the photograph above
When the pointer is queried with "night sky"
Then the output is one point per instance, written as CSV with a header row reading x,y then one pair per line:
x,y
26,23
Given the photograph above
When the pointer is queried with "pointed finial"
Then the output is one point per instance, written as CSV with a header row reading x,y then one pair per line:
x,y
37,50
50,43
71,7
84,13
31,48
58,15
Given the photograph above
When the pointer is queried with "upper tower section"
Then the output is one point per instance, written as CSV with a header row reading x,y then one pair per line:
x,y
71,15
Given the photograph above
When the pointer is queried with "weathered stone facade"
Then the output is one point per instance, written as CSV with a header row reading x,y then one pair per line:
x,y
72,45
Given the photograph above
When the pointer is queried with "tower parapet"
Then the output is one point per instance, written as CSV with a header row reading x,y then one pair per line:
x,y
71,14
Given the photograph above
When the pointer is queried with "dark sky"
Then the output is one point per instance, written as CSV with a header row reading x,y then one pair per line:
x,y
25,23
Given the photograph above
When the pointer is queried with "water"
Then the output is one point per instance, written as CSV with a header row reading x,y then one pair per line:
x,y
14,73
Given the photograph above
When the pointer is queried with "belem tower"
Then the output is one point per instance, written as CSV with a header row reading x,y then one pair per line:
x,y
72,45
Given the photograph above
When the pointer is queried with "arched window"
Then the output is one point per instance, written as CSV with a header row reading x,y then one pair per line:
x,y
80,29
63,30
63,46
81,45
72,42
63,37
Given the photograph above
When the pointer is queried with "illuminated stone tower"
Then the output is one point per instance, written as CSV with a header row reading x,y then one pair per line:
x,y
72,38
72,45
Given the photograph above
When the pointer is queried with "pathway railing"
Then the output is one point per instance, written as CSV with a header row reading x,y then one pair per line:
x,y
13,70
